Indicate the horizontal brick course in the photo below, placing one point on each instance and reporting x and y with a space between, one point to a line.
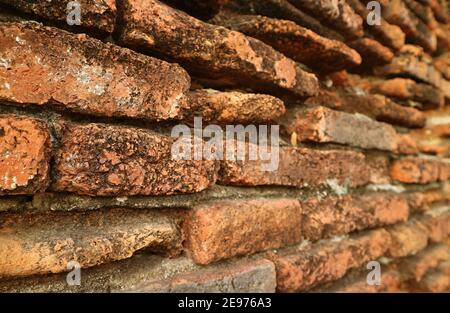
99 15
321 124
341 215
46 243
102 160
25 147
211 52
299 167
45 66
304 268
420 170
221 230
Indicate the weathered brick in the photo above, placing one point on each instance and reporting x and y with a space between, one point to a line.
321 124
407 239
416 266
199 8
220 230
253 276
403 88
416 31
95 14
337 14
387 34
356 281
341 215
299 167
437 223
25 155
411 66
101 160
233 107
423 200
150 273
442 63
45 243
294 41
45 66
420 170
372 52
283 10
300 269
375 106
437 280
211 52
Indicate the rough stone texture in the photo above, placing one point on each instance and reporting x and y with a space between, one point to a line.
410 66
221 230
294 41
356 281
102 160
25 152
387 34
334 216
375 106
437 223
321 124
299 167
95 14
45 243
300 269
437 280
45 66
372 52
442 63
424 200
233 107
203 9
211 52
416 266
407 239
403 88
142 272
420 170
254 276
416 31
336 14
283 10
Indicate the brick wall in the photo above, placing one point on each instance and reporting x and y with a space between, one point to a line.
88 174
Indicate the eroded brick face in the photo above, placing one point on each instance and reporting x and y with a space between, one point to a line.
45 66
25 147
225 229
102 160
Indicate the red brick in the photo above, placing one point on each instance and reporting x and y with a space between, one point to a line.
95 14
419 170
437 223
203 9
416 31
211 52
294 41
341 215
407 239
40 243
234 107
337 14
252 276
437 280
300 269
387 34
45 66
375 106
320 124
408 89
298 167
372 52
102 160
220 230
25 155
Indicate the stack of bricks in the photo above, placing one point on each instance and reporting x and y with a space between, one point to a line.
87 171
